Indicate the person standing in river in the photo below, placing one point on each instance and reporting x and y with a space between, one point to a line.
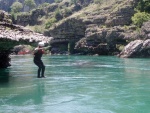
38 52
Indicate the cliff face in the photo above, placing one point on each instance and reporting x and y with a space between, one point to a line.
99 28
103 28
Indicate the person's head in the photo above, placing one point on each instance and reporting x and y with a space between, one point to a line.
41 44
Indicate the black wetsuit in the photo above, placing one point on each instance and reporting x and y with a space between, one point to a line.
37 60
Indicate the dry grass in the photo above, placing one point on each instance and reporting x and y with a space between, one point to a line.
37 28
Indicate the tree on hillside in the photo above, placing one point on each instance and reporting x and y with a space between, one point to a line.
140 17
16 7
143 13
144 6
30 3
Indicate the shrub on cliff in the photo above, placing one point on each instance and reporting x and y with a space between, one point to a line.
140 17
30 3
67 12
16 7
50 22
58 14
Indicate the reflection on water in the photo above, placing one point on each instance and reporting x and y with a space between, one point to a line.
76 84
4 76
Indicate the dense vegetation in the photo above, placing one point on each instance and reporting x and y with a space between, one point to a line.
143 13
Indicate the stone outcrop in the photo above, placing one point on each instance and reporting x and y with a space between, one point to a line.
145 31
5 17
30 18
12 35
70 29
141 47
18 33
136 49
104 41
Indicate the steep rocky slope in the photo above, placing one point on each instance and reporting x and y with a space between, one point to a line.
92 28
102 28
98 28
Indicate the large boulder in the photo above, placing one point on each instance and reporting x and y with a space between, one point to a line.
137 48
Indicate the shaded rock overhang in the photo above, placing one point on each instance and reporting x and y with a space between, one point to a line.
12 35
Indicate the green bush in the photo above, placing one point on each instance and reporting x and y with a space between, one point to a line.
16 7
140 17
30 3
50 22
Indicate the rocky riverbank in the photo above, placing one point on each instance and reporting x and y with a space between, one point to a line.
139 47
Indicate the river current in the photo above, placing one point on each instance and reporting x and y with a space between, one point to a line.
76 84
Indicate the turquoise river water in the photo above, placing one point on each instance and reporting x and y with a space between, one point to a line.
76 84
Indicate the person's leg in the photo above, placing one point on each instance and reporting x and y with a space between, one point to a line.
39 72
43 69
39 68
